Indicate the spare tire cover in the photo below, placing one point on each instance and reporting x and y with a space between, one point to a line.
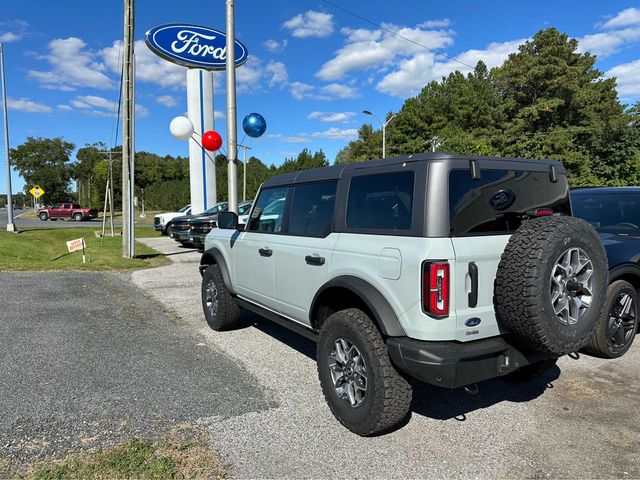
551 284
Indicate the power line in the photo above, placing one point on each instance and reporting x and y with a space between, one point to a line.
388 30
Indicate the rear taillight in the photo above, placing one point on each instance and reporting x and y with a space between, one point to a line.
540 212
435 288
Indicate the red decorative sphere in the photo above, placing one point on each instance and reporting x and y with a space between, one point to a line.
211 141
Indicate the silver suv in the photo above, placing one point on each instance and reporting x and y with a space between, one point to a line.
442 268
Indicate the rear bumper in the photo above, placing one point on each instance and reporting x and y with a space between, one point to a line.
457 364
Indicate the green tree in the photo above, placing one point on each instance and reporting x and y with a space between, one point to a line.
87 157
45 162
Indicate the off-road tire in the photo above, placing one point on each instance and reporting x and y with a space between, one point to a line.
531 371
77 217
522 293
599 343
228 312
388 396
44 216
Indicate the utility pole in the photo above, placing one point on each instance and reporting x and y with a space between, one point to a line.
110 155
127 129
244 168
11 226
232 121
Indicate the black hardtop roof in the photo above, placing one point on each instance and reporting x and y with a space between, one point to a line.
336 171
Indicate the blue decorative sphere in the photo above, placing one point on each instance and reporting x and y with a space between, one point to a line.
254 125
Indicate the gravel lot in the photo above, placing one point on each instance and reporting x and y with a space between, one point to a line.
87 360
582 420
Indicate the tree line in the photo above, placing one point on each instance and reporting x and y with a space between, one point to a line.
547 100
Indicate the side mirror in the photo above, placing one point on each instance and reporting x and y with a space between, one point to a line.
228 220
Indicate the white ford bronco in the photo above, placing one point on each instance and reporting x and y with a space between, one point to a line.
436 267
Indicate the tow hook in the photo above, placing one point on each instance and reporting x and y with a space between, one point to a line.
574 355
471 389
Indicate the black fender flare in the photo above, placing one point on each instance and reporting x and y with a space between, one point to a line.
624 269
384 316
214 255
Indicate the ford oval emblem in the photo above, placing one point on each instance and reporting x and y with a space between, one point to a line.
193 46
472 322
502 199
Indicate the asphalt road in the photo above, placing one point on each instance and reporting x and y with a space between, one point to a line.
30 223
581 421
86 360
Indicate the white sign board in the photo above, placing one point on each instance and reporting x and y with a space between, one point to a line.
75 245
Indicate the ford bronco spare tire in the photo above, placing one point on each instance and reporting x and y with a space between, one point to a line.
551 284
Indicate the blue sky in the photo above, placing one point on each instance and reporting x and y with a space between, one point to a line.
312 67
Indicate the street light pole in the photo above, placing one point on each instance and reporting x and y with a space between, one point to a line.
11 226
384 130
244 168
232 121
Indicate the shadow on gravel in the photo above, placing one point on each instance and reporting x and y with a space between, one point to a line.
428 400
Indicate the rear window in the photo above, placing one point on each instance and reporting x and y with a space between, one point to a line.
613 212
381 202
496 202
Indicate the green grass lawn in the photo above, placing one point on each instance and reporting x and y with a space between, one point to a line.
46 249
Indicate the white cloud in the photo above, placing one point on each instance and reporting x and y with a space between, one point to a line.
275 46
90 101
366 49
149 67
441 23
629 16
7 37
331 117
166 100
217 115
340 91
65 108
300 90
310 24
27 105
606 43
628 78
72 66
335 133
286 139
276 73
422 68
13 30
141 110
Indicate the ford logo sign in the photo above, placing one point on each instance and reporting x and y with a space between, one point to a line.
472 322
193 46
502 199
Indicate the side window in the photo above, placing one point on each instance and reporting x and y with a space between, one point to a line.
57 206
67 206
312 209
268 213
381 202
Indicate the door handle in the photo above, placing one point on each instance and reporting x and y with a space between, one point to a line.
314 260
473 294
265 252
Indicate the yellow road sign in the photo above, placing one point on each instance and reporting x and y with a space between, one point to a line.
36 191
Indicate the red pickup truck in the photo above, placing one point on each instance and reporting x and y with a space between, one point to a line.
67 210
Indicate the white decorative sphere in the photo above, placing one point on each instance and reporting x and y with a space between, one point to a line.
181 128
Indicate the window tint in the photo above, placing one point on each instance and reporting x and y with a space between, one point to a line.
268 214
381 202
312 209
57 206
215 209
242 209
616 212
184 209
497 201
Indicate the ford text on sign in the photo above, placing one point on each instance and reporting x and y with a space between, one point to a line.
193 46
75 245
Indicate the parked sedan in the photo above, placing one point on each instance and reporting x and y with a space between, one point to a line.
615 213
201 226
178 228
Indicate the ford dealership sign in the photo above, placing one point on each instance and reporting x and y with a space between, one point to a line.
193 46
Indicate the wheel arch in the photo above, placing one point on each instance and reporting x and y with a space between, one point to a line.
214 256
629 272
349 291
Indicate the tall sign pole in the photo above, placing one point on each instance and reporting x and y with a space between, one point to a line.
232 122
11 226
127 127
